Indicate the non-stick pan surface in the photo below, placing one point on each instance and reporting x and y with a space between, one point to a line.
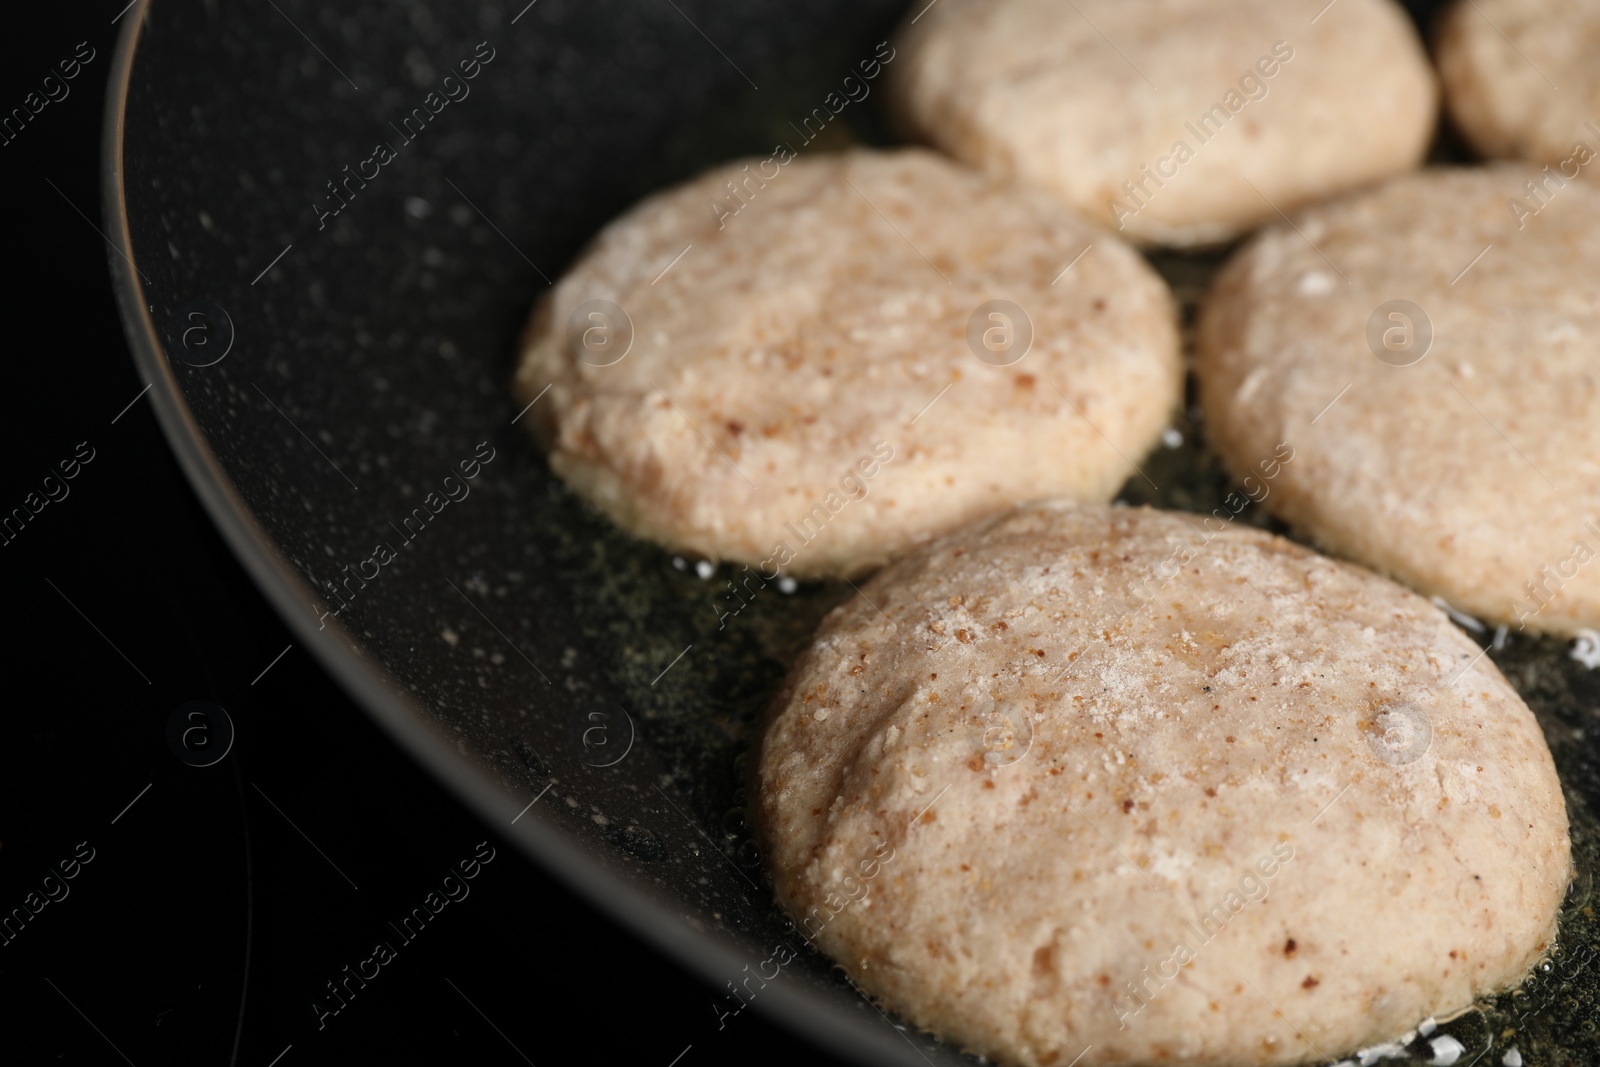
329 328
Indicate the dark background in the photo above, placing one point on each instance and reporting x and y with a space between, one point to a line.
218 904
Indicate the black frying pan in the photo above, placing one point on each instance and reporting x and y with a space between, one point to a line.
330 328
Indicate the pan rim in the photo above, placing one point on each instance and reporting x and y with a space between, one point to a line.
801 1008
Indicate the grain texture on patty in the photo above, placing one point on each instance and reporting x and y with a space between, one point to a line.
1184 792
1434 357
873 349
1183 122
1521 80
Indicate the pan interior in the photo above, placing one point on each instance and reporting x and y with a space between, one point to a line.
367 305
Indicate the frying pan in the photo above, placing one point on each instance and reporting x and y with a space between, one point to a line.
329 330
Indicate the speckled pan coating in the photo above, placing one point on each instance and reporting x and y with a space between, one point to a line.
1006 782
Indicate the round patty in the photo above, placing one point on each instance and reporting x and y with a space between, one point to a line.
1432 351
1501 62
1181 122
1112 777
809 364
